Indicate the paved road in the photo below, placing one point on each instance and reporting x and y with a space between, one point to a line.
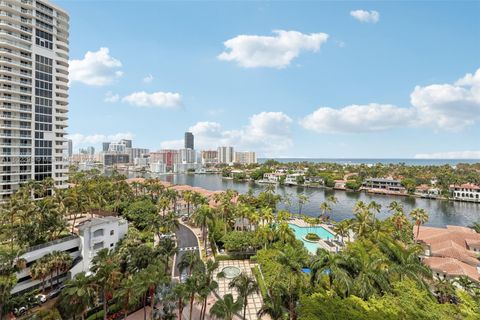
186 240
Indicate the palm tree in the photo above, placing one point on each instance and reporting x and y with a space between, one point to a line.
419 216
245 286
302 200
226 308
285 233
324 207
188 261
342 229
105 267
375 207
192 286
79 292
128 293
61 262
332 264
40 271
202 218
148 280
208 285
187 196
444 289
395 206
273 308
179 294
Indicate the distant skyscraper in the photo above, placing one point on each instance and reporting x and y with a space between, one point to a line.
189 144
127 143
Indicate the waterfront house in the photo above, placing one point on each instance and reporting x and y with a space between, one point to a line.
465 192
384 186
273 177
340 184
426 191
451 252
293 178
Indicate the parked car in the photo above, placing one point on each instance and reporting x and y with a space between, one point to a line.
54 293
40 298
20 311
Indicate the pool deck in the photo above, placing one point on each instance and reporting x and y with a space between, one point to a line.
321 243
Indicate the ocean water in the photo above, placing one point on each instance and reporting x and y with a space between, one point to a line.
409 162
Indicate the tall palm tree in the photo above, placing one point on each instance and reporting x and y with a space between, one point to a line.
302 200
192 285
80 292
273 308
285 233
179 294
226 308
188 261
61 262
245 286
419 216
324 207
395 206
342 229
374 207
187 196
148 280
107 275
332 264
202 218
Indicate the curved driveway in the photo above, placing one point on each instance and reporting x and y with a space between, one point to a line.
186 241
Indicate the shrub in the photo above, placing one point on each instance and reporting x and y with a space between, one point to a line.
312 237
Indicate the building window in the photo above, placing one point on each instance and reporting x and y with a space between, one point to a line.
98 246
111 245
98 233
112 232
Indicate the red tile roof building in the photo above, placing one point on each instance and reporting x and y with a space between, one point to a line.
451 251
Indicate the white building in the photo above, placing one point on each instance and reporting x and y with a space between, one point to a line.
291 179
273 177
97 234
188 156
33 93
158 167
185 167
245 157
465 192
225 154
94 235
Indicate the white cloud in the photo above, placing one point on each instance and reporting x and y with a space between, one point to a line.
81 140
155 99
442 107
148 79
95 69
450 155
366 16
253 51
267 133
111 98
357 118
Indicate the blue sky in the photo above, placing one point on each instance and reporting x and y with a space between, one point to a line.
285 79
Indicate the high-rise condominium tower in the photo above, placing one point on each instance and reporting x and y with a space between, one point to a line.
189 140
33 93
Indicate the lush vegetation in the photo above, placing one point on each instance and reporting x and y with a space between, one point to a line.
377 274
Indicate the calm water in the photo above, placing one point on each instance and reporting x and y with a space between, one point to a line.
441 212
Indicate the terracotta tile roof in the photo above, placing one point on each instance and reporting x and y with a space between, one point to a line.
451 249
466 186
143 180
452 267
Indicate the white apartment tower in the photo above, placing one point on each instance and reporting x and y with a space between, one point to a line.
33 93
225 154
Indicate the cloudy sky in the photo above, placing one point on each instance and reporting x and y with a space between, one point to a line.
285 79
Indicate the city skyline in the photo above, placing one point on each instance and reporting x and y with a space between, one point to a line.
316 80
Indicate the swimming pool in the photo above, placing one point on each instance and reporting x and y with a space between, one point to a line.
301 232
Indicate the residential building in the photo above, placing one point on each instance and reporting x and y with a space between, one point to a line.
426 191
94 234
384 185
450 252
135 153
126 142
340 185
245 157
33 93
189 141
105 146
465 192
186 167
167 156
209 156
117 147
158 167
273 177
225 155
111 159
97 234
292 179
188 156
